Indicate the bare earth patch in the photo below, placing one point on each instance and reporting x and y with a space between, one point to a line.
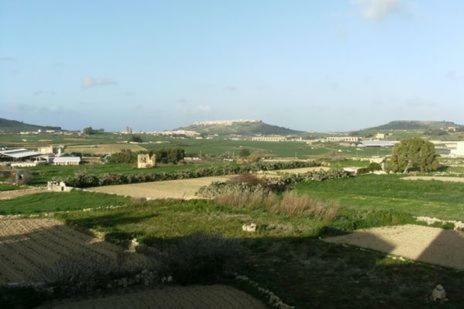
420 243
30 247
104 148
214 296
11 194
438 178
177 189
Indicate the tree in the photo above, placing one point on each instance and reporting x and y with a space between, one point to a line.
88 131
244 153
414 155
136 138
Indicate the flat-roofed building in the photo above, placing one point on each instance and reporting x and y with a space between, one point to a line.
67 161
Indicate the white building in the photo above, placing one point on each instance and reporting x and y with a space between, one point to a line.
340 139
459 151
67 161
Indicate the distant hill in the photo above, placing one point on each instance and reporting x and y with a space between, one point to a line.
239 127
13 126
412 125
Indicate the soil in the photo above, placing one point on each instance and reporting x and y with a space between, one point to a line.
421 243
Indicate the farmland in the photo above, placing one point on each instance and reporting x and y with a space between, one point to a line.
418 197
31 248
44 173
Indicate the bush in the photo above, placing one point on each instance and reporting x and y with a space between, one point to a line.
202 258
124 156
372 167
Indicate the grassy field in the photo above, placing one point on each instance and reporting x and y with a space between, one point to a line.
53 201
103 148
284 255
420 198
7 187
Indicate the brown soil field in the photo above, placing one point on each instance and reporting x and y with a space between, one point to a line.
30 248
421 243
104 148
177 189
11 194
438 178
213 296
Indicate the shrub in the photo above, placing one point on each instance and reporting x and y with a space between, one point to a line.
202 258
372 167
124 156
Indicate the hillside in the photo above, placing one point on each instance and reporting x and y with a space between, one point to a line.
239 127
412 125
12 126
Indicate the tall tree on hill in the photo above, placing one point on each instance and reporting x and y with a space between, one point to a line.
414 155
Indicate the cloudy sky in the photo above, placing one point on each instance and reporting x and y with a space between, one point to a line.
310 65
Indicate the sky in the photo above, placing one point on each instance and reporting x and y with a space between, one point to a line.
155 65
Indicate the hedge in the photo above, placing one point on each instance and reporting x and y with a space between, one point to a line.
84 180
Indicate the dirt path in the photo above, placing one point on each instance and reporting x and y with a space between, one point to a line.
178 189
214 296
11 194
421 243
438 178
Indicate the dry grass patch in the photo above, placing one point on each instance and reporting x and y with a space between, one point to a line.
290 203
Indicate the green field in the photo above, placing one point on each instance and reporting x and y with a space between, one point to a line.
284 255
44 173
54 201
7 187
389 192
204 147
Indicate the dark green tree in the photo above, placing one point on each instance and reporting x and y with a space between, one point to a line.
414 155
244 153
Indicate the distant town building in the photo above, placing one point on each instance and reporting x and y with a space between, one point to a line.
380 136
339 139
224 122
375 143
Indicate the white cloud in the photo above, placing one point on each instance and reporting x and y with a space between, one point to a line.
89 82
377 9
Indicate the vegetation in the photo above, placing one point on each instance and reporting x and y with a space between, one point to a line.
84 180
283 244
414 155
125 156
8 187
54 201
171 155
389 192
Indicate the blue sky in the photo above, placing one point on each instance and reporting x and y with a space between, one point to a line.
309 65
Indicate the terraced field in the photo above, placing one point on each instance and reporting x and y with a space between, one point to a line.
30 248
214 296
